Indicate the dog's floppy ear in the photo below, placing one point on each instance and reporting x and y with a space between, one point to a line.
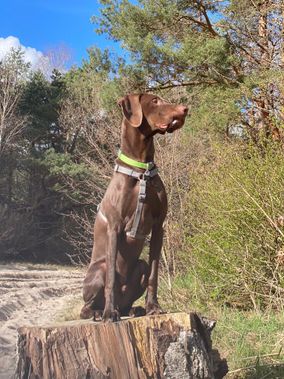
132 109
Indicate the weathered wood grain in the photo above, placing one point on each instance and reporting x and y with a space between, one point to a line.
172 346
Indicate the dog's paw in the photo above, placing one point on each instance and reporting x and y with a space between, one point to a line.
86 312
153 309
98 315
111 316
137 311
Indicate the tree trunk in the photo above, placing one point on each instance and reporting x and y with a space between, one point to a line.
168 346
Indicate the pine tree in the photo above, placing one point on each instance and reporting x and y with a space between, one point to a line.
227 54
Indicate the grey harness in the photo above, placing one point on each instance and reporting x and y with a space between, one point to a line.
143 178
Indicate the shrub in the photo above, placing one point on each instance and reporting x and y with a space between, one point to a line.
234 230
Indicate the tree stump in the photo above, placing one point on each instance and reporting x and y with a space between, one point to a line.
171 346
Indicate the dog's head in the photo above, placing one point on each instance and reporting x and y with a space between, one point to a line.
152 112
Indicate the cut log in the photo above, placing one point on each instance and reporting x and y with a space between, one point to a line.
171 346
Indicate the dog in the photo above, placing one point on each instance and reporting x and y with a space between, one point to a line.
134 205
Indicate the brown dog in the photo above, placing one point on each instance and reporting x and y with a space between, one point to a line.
134 205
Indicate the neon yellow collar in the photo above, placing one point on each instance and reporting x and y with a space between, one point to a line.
131 162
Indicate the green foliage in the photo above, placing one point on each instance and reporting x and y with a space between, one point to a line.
63 164
99 62
40 102
251 342
69 176
14 63
235 234
165 38
222 47
219 101
95 84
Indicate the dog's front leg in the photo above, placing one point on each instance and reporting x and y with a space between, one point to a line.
110 313
152 305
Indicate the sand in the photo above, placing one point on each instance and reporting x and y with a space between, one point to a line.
30 295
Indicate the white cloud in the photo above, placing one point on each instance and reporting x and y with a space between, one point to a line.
34 57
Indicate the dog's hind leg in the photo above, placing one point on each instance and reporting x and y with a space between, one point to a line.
133 289
93 290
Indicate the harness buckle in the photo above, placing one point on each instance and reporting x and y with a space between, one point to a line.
150 166
147 174
142 198
142 189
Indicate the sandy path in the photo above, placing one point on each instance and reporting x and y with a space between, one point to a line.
30 296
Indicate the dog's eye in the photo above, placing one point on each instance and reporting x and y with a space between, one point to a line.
155 100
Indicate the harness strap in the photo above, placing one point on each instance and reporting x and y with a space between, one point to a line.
135 174
138 211
142 177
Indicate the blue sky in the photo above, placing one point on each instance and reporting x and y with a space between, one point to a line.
43 24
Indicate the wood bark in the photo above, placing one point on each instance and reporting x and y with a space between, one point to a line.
168 346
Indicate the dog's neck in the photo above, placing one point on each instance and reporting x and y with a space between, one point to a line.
137 143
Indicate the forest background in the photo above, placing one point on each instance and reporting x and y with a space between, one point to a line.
224 171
